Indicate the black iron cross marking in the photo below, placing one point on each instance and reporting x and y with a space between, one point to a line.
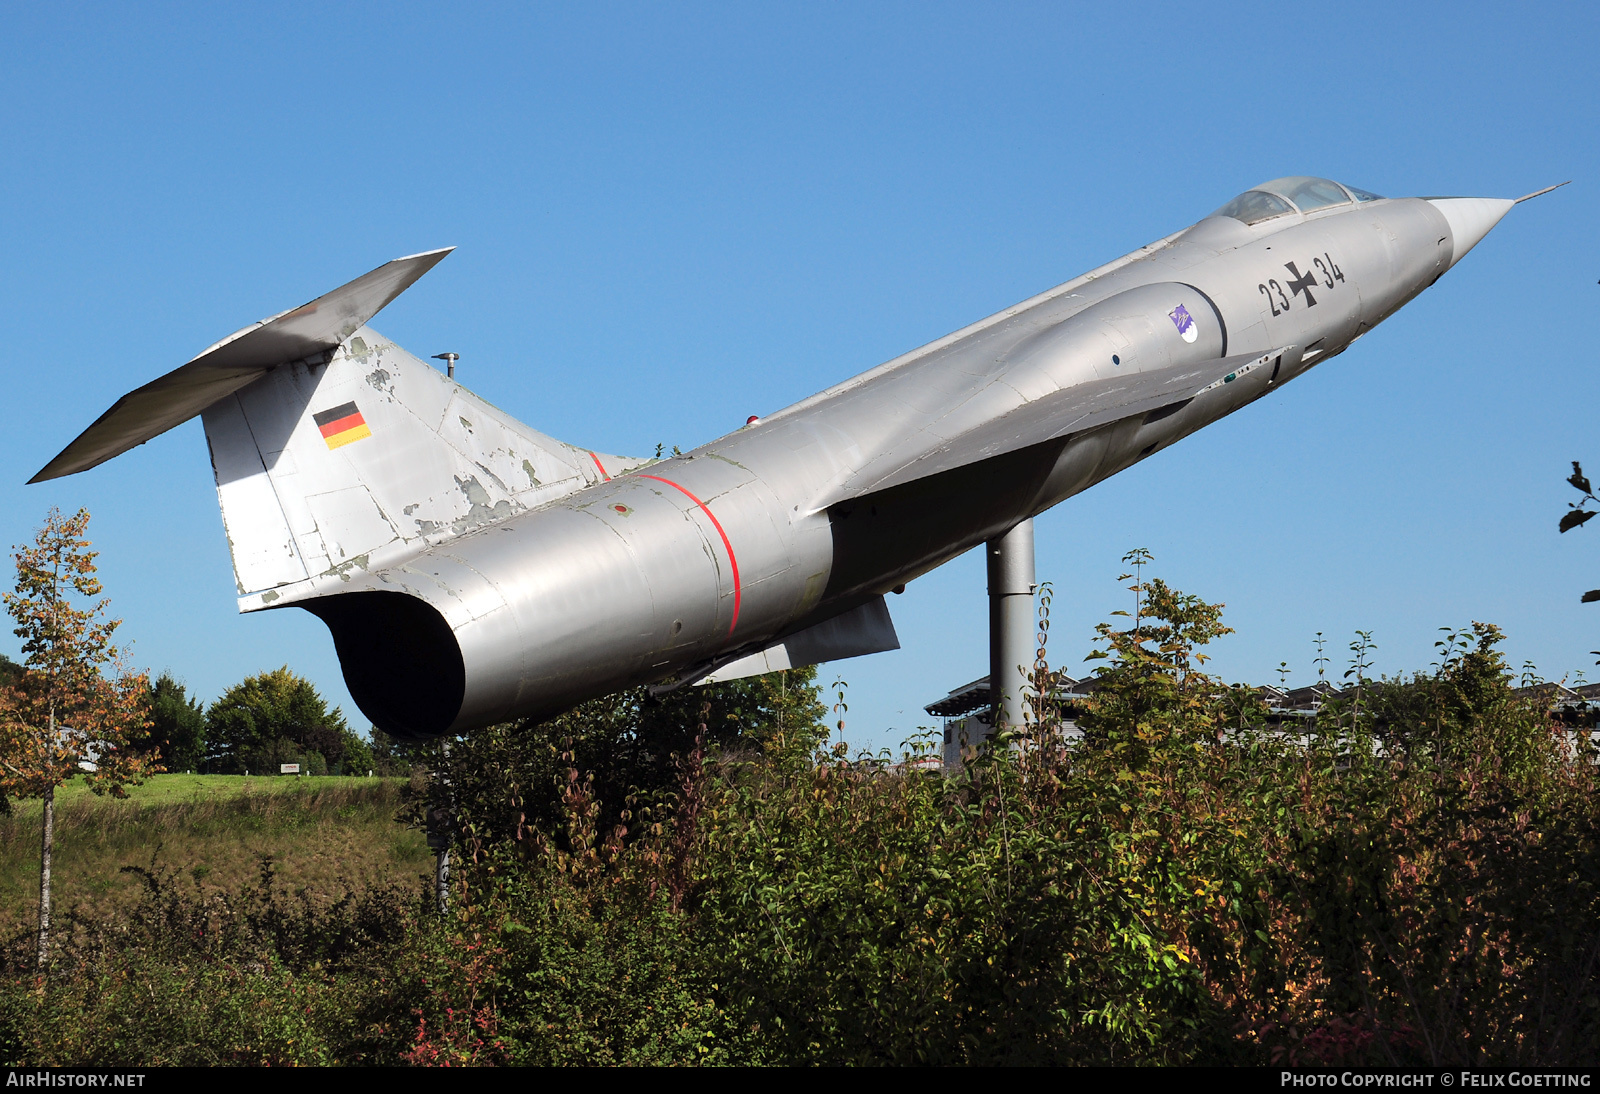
1302 283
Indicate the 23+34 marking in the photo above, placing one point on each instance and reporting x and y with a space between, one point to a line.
1300 284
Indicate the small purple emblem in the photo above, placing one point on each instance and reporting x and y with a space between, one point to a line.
1184 322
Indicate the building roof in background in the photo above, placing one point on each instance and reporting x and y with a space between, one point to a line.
975 696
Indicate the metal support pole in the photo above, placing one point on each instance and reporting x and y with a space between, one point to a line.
441 879
1011 623
441 828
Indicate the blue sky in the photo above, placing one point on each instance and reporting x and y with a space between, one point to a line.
672 217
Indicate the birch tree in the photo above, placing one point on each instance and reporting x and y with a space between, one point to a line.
75 707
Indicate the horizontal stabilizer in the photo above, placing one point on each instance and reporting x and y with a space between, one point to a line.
863 630
307 332
1070 410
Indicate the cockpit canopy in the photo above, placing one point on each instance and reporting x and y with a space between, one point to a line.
1294 193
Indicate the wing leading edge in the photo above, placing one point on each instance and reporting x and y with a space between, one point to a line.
1071 410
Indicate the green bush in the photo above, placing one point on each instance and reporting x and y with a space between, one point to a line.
276 718
1415 879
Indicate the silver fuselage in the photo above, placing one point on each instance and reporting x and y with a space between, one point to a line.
690 560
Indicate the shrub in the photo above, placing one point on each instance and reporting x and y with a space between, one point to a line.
1412 880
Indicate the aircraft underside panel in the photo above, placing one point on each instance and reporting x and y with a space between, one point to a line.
856 633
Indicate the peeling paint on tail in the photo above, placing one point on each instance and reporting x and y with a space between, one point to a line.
484 510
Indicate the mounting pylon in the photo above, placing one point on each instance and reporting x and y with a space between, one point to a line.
1012 630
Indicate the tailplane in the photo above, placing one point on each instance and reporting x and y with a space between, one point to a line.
309 333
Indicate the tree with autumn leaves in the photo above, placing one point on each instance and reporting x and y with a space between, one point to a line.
75 708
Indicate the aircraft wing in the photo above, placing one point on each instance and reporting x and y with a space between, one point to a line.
1070 410
236 361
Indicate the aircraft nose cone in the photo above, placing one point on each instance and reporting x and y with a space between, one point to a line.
1470 220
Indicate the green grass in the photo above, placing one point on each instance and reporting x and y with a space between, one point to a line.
165 789
213 828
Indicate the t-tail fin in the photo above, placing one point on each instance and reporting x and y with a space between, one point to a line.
308 333
366 461
334 449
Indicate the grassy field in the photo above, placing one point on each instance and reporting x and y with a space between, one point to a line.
212 828
167 789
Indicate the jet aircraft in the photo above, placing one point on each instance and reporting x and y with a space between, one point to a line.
474 570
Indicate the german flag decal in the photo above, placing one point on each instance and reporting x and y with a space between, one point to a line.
342 425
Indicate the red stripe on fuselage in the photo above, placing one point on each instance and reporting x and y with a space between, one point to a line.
732 562
607 477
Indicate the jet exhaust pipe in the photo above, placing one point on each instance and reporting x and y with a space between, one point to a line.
400 658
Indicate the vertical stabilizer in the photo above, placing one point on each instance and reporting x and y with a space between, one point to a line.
367 460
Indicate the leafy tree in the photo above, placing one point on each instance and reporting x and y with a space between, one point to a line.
63 715
273 718
1153 672
1576 515
177 726
390 755
1406 713
10 673
358 758
737 713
